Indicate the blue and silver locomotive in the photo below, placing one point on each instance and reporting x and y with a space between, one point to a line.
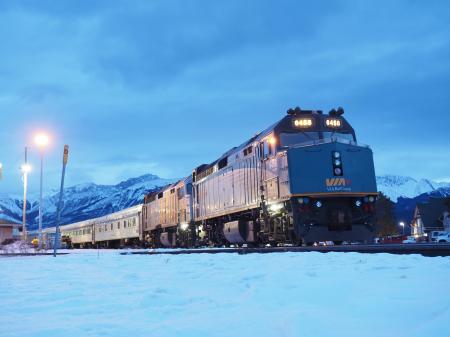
304 179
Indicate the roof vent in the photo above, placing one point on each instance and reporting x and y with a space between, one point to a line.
336 113
295 111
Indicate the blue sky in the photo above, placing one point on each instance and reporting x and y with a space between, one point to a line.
159 87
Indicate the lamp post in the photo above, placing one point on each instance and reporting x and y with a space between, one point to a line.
402 224
25 170
41 141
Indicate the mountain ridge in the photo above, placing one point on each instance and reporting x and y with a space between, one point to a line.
83 201
90 200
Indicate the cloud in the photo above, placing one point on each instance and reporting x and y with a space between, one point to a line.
167 85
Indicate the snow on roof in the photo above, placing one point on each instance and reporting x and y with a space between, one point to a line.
8 223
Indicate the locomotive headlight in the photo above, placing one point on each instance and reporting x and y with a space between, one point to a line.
358 203
184 226
275 207
371 199
303 122
318 203
333 123
337 162
337 171
336 154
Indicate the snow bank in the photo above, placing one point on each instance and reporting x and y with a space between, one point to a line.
17 247
281 294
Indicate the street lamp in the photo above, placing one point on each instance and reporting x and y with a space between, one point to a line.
41 140
25 168
402 224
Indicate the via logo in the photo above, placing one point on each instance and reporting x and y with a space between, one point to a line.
332 182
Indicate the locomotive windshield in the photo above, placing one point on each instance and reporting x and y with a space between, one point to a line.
289 139
339 135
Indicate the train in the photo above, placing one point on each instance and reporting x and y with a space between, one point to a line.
304 179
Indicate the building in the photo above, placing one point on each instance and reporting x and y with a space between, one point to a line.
432 215
8 230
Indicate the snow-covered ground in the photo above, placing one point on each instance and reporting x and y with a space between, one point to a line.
282 294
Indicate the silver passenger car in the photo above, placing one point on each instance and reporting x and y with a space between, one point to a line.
112 230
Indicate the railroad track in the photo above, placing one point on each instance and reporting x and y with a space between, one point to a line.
29 254
425 249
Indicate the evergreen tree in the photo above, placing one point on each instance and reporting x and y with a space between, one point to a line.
386 220
447 203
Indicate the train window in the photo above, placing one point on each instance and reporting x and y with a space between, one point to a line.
222 163
111 226
248 151
266 149
118 225
288 139
160 195
172 191
339 135
189 188
180 192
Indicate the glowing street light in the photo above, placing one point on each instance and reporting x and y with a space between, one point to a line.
402 224
41 140
25 168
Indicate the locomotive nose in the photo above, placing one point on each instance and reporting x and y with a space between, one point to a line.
331 168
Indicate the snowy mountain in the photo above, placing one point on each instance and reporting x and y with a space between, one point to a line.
83 201
89 200
400 186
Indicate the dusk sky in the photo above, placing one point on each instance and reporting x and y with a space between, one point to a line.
160 87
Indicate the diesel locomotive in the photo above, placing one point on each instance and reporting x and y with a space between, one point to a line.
304 179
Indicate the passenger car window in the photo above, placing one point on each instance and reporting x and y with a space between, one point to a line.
266 149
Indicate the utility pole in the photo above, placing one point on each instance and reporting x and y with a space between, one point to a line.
40 201
41 141
25 170
61 193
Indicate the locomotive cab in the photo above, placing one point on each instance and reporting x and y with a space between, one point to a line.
311 127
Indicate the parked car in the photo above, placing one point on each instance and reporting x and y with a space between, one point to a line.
393 239
410 239
435 234
443 238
